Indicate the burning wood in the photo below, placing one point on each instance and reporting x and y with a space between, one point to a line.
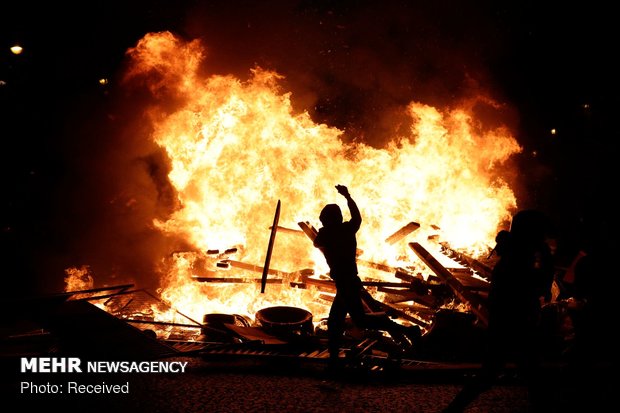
409 295
272 238
369 301
257 268
329 284
288 230
219 254
481 268
212 132
414 299
377 266
468 280
473 300
236 280
416 290
402 233
378 307
308 229
322 284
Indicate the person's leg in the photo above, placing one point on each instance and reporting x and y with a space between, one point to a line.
529 363
335 326
478 384
404 335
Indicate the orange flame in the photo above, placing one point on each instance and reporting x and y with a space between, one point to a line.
78 279
237 147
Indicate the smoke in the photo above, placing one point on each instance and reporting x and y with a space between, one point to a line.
115 186
355 64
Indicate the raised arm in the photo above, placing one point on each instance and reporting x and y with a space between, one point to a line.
356 217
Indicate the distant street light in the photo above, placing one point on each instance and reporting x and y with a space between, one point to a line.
17 49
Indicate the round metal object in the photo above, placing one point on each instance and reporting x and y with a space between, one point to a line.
214 326
285 320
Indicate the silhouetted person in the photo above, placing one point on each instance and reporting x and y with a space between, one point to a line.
594 304
337 240
594 292
593 356
520 283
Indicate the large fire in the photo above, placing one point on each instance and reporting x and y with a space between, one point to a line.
236 148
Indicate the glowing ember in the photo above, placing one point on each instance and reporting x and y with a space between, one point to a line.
237 147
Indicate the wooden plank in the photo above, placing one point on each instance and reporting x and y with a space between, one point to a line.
377 266
481 268
236 280
468 281
402 233
323 284
386 284
362 348
308 229
391 309
272 238
408 295
473 283
288 230
255 334
329 284
415 308
467 297
256 268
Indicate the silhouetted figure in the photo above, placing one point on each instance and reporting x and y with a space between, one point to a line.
593 356
592 293
337 240
520 284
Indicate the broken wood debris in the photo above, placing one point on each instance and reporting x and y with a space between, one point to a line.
402 233
412 297
308 229
236 280
377 266
377 306
272 239
256 268
474 301
409 295
288 230
484 270
330 285
222 254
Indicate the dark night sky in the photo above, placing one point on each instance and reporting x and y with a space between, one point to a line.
349 63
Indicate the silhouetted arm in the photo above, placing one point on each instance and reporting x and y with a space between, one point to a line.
356 217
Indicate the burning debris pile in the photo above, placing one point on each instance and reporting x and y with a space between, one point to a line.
237 148
234 147
446 303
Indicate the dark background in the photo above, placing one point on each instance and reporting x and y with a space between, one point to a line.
351 64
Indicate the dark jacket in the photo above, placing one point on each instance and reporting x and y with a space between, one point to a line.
339 245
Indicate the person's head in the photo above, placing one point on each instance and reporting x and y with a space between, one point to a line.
530 226
502 240
331 215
